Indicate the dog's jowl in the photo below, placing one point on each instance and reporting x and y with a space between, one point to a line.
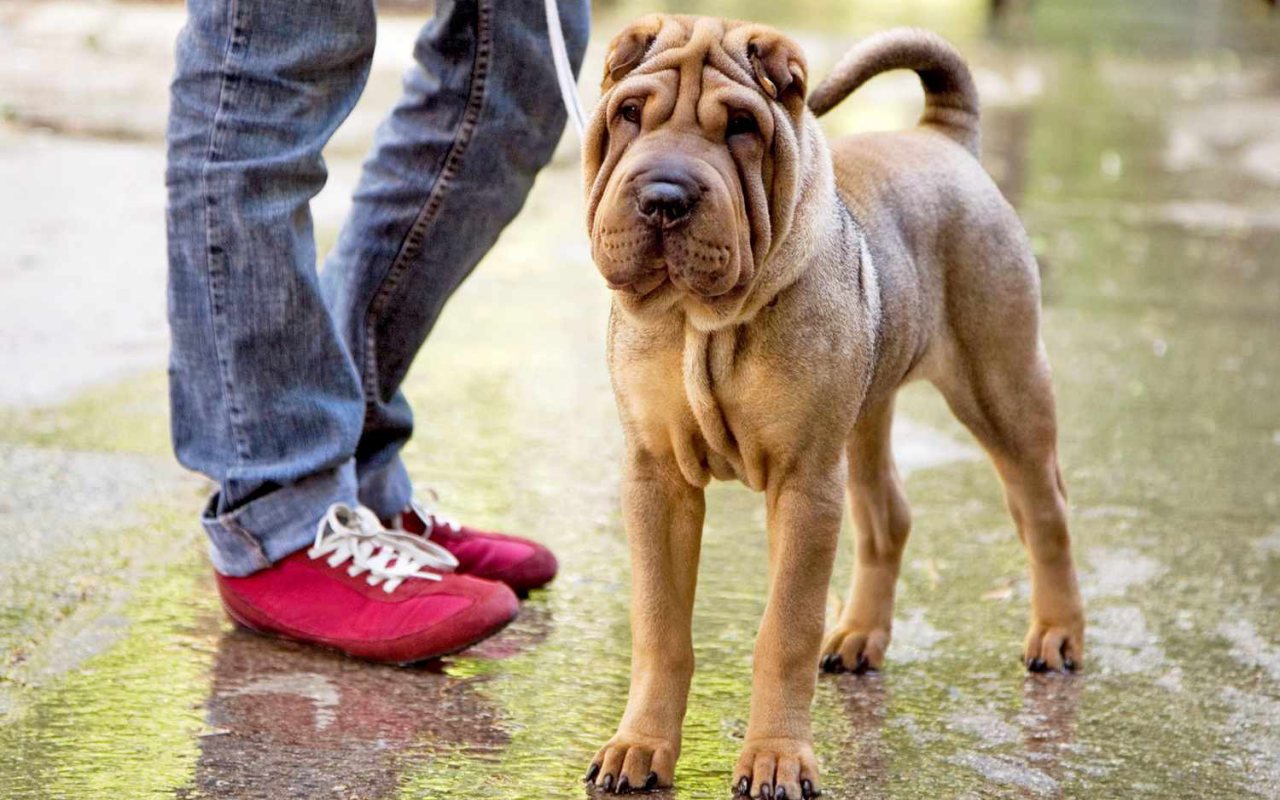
771 292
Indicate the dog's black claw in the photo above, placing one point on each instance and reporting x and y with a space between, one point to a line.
833 663
1036 665
806 789
862 666
781 793
608 782
744 787
651 782
1069 665
624 785
766 791
592 772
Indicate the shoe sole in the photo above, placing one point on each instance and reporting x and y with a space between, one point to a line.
269 634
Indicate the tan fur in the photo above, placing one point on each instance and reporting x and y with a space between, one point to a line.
763 337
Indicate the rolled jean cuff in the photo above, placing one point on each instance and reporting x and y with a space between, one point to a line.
386 489
265 530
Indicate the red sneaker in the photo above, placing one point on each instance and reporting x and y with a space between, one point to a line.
519 563
371 593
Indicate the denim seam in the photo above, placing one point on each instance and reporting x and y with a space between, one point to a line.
215 253
412 245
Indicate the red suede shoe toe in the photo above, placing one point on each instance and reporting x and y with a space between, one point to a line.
307 600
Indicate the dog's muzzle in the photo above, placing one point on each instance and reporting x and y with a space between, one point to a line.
669 222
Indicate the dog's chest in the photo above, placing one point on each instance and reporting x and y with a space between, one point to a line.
716 384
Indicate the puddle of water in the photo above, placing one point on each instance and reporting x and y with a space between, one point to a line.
1162 329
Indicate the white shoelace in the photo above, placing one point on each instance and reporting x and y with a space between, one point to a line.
431 515
390 557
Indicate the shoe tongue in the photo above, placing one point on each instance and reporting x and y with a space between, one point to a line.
420 520
410 522
443 527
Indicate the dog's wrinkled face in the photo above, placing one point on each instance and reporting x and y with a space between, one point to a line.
691 161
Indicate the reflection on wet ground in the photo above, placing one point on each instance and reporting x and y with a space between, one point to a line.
1140 143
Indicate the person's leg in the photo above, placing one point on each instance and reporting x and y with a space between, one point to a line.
265 399
480 116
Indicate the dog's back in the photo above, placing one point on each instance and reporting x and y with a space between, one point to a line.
934 219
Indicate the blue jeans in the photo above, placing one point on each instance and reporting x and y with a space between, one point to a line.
285 384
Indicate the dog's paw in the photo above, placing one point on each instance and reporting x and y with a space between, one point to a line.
1054 647
856 651
776 769
633 763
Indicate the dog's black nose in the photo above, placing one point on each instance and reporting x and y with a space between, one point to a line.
665 203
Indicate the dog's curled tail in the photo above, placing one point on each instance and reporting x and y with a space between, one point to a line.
951 100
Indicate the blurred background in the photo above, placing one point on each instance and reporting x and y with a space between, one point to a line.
1140 142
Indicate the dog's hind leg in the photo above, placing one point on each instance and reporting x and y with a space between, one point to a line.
1001 390
883 520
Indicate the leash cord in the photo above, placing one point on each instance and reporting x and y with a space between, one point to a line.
564 72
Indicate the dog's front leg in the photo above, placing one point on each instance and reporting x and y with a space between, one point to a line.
804 523
663 515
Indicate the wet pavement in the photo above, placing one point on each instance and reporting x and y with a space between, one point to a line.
1141 144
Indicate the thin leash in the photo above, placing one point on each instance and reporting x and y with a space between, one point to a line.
564 72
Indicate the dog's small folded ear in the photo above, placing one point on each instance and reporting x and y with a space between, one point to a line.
779 68
628 49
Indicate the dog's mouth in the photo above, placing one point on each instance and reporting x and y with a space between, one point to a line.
636 267
646 284
686 262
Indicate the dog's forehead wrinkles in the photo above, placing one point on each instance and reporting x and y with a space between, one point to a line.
689 77
688 45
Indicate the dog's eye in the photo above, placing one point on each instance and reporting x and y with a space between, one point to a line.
740 123
630 112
